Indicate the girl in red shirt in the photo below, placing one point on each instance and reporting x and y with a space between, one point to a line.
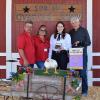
41 47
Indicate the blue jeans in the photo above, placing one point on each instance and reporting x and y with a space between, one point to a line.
40 64
83 74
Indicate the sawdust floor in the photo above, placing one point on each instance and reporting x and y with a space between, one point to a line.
94 94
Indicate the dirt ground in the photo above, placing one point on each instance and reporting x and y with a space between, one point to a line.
94 94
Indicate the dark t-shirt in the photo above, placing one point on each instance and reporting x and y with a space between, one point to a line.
81 35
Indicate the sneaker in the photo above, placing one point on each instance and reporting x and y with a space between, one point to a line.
84 94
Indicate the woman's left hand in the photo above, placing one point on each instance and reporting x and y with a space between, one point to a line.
62 48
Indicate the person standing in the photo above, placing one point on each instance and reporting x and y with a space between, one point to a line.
60 42
25 45
41 46
81 38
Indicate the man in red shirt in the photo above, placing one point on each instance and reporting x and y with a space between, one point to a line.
25 45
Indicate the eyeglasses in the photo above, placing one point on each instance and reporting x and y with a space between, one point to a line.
42 30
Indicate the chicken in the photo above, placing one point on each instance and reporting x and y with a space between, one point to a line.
51 64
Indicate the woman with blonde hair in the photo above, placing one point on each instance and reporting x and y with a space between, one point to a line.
41 46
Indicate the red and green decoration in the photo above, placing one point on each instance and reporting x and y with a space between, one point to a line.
27 70
20 74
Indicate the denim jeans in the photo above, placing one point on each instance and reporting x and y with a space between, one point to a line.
83 74
40 64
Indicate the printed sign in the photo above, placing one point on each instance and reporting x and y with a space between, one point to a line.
47 12
76 58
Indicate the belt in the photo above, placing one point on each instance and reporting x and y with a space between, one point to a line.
61 51
56 51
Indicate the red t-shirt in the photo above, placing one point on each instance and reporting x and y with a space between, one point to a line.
26 43
41 48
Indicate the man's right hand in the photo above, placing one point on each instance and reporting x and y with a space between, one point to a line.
76 43
21 51
26 63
